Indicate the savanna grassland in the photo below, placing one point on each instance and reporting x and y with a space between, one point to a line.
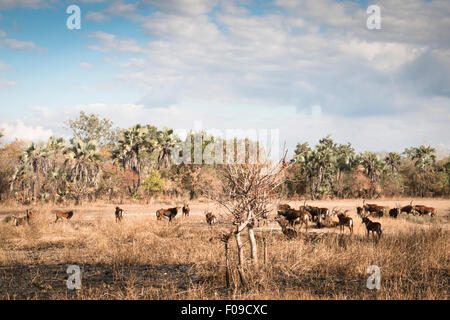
142 258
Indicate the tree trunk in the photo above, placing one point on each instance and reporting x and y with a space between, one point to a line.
265 250
253 246
241 258
227 266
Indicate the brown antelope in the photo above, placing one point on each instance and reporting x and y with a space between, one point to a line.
418 209
382 211
316 212
407 209
210 219
369 207
424 210
186 210
30 216
374 227
359 211
394 212
119 214
66 215
288 231
167 213
284 207
19 221
375 210
344 220
296 217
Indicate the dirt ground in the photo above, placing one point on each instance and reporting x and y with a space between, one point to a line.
142 258
96 211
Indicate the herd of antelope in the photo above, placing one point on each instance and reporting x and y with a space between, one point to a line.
287 216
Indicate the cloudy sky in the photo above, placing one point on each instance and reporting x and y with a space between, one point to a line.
306 67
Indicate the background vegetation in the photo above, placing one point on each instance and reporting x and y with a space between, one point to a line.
101 161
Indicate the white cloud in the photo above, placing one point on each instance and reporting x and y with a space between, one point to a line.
86 65
121 8
329 12
130 63
18 45
33 4
382 56
92 1
4 66
96 16
5 84
307 66
18 129
181 28
183 7
109 42
269 59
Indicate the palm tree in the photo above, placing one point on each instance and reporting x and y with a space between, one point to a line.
345 160
35 158
23 177
55 147
393 161
166 143
318 165
82 163
56 144
132 146
300 150
373 168
424 159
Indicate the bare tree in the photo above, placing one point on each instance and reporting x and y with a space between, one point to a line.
246 191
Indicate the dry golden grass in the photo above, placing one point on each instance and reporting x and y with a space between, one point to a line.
142 258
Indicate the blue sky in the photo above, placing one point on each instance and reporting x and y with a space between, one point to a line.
306 67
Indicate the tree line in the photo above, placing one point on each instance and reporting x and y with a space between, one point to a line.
101 161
